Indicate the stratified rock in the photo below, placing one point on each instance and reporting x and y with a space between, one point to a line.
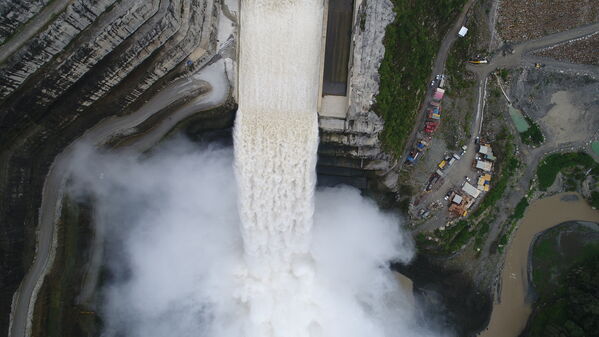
95 59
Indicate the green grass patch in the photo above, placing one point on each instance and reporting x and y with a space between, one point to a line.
504 74
554 163
533 135
411 44
462 50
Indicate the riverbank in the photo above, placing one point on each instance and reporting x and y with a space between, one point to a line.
512 306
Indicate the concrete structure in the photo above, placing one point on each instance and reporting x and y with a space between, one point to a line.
335 65
457 199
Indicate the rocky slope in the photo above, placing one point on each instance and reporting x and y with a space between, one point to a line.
93 59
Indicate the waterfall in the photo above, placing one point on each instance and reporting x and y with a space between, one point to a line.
276 138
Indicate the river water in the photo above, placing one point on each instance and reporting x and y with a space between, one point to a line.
511 312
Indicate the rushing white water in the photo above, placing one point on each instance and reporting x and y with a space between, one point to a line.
276 138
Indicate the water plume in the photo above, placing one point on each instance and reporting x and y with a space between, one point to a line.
201 243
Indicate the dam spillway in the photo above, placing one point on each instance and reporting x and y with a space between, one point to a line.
276 139
338 47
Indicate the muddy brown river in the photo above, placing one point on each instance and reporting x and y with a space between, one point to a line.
511 310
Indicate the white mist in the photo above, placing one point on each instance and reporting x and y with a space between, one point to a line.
192 251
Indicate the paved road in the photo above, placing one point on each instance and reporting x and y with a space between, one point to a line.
31 28
53 189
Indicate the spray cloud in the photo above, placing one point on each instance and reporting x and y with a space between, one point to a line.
176 258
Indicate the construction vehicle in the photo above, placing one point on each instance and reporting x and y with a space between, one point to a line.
478 61
539 65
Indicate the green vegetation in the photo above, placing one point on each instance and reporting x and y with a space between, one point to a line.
56 313
468 123
595 199
463 49
495 92
554 163
558 249
454 237
566 283
449 129
481 233
504 74
512 221
520 208
411 43
533 135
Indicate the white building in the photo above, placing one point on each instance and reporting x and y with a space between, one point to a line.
471 190
484 149
463 31
484 165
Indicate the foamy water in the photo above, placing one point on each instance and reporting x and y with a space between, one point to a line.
276 138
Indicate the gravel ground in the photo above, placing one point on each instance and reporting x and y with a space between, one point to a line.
583 51
521 20
535 88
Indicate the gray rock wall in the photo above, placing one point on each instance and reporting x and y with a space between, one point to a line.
95 59
14 13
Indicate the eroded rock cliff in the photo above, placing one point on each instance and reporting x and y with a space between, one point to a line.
60 74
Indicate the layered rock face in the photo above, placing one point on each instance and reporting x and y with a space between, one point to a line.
63 69
355 151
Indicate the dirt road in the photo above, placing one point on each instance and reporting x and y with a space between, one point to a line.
438 68
520 51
